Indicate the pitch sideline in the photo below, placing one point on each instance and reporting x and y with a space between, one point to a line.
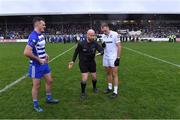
155 58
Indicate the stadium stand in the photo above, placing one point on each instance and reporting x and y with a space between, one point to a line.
68 28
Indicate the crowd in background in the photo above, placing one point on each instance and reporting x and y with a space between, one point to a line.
70 32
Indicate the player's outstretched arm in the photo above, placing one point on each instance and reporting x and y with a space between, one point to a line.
99 49
76 52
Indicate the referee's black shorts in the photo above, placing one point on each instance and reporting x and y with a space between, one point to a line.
89 66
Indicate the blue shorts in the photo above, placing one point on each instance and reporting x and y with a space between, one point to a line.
38 71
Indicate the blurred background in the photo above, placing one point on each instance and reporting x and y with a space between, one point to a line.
68 20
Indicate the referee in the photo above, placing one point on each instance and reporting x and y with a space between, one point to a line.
87 50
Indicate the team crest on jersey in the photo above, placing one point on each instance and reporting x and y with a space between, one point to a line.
93 50
84 50
41 37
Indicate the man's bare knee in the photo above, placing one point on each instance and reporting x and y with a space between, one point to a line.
48 78
94 76
36 86
109 72
115 72
49 81
84 76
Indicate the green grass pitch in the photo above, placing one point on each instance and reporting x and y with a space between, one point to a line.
148 88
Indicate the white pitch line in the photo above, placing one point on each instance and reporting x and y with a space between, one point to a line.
25 76
144 54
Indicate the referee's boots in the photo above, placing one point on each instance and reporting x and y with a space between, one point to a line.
83 92
83 96
95 90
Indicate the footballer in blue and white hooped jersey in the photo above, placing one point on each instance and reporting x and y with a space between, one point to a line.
38 66
37 42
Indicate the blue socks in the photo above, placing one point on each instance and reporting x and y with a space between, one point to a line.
48 96
35 101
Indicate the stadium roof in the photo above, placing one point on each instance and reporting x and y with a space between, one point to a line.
46 7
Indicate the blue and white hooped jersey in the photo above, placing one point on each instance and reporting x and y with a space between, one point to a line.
37 42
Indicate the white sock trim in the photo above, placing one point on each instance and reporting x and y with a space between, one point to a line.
48 93
110 86
35 100
116 89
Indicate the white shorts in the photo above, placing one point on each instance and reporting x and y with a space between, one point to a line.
108 62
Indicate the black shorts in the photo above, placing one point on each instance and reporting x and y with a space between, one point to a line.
87 67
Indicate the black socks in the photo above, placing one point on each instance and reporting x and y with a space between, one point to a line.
94 83
83 86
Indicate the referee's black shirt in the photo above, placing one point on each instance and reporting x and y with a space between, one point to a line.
87 51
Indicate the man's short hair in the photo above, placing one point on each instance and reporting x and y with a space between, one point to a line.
37 19
104 24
